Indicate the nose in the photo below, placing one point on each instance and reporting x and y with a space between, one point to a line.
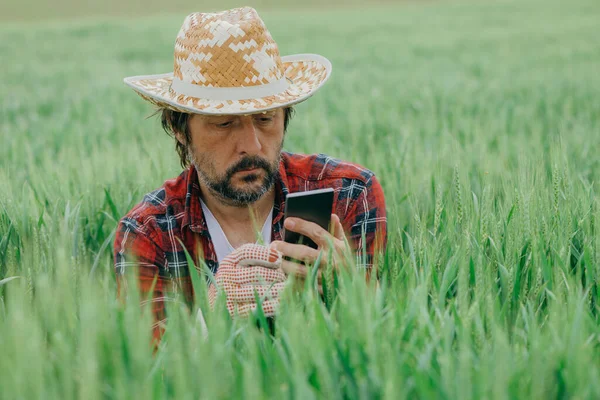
248 140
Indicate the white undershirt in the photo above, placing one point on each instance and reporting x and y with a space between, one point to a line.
222 246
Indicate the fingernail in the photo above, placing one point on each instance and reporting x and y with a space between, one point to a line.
289 223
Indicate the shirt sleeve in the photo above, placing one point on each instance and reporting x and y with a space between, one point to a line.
366 222
133 249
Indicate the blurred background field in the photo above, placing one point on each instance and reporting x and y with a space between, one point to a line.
36 10
482 122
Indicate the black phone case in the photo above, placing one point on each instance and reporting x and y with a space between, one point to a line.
314 206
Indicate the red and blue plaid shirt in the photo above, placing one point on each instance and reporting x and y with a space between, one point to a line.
148 237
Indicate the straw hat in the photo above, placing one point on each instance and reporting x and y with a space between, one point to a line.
228 63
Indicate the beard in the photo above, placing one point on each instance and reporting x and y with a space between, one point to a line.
222 185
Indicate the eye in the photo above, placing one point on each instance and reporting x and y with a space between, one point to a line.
265 119
224 124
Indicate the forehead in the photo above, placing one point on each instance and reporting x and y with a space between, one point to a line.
232 116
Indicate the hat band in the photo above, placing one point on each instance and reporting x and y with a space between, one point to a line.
229 93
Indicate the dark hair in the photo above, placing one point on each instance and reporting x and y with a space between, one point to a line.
174 122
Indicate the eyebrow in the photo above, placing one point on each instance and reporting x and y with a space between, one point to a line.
215 119
211 119
268 113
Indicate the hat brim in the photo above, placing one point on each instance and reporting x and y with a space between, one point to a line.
306 73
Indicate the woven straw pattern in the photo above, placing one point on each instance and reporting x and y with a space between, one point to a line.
248 269
231 50
305 78
227 49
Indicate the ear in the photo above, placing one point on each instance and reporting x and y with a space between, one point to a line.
180 138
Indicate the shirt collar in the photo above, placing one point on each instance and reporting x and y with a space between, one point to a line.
194 217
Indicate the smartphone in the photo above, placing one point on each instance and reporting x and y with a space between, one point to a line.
314 206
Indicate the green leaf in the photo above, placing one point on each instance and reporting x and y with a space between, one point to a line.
4 243
450 273
519 273
6 280
111 204
197 283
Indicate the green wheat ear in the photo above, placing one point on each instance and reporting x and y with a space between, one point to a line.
458 196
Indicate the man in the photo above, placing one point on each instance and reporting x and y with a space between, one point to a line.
228 104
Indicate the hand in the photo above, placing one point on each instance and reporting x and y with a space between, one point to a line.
248 269
329 246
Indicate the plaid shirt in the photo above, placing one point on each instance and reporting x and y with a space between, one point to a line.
147 238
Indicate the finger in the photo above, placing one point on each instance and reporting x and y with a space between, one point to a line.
269 308
319 235
246 293
257 275
338 229
296 251
252 254
294 269
298 270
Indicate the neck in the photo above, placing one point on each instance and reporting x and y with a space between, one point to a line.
230 214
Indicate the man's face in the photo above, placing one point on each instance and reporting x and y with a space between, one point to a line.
237 156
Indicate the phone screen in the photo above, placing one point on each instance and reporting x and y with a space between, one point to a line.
314 206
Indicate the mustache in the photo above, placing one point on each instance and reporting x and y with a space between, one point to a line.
249 163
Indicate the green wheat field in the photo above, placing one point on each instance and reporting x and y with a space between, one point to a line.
482 122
